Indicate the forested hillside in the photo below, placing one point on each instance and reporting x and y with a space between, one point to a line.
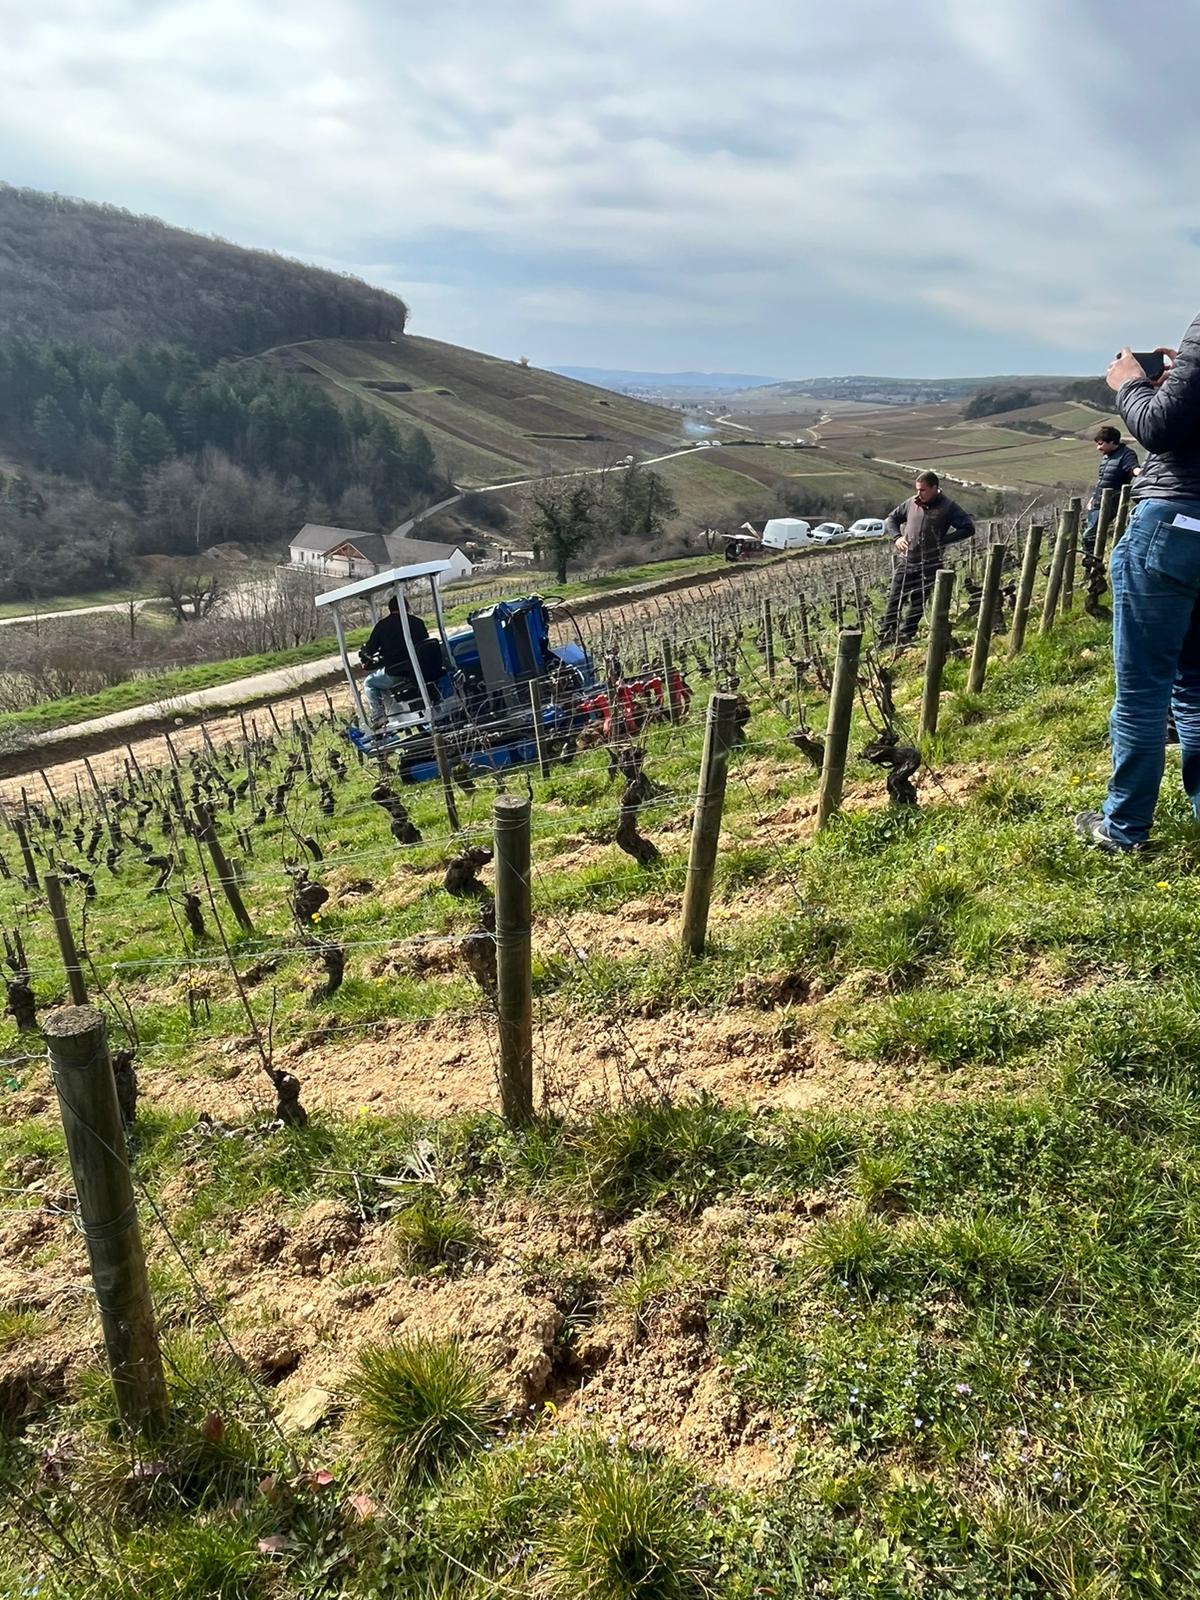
151 452
70 270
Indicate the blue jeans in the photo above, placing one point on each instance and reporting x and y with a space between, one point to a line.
1156 651
376 683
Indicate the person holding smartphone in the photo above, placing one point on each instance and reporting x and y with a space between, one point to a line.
1155 577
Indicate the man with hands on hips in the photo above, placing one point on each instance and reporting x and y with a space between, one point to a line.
1155 579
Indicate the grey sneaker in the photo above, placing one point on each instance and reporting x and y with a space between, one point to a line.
1091 827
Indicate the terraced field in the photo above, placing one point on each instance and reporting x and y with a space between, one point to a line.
494 419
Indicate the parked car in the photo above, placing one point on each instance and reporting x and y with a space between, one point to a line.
787 533
827 532
867 528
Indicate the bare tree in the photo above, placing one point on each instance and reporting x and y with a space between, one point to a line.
191 590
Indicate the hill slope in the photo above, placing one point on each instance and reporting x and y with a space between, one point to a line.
101 276
488 419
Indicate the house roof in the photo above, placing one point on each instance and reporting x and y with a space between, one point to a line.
405 552
316 536
384 549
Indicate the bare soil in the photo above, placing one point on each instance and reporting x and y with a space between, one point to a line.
541 1308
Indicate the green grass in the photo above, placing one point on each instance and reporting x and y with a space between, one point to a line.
419 1408
161 686
630 1534
949 1299
56 604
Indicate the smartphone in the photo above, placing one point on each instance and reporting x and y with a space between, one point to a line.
1152 362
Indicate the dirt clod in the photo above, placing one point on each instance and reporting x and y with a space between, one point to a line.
325 1233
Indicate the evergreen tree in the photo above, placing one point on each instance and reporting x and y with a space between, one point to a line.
110 405
564 522
154 444
57 440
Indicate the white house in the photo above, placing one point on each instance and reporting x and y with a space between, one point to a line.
346 554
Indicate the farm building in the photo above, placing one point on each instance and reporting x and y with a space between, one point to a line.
347 553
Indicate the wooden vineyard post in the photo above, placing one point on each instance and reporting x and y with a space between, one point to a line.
768 630
1122 514
1029 564
31 873
1068 587
248 759
839 606
539 726
1104 524
49 788
66 939
103 805
805 634
719 733
987 618
91 1117
514 958
837 730
860 598
668 667
939 647
447 782
225 874
1057 565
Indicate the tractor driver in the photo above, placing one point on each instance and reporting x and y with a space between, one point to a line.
387 652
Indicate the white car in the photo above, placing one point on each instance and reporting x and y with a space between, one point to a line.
867 528
827 532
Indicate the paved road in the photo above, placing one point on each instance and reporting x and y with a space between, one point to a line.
576 472
36 618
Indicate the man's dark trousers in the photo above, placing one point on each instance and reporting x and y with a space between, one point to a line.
912 584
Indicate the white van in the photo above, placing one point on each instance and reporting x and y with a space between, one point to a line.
786 533
867 528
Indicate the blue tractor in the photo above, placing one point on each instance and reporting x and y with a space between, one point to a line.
475 687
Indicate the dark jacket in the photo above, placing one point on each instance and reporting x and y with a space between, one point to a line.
1115 472
1166 421
387 642
929 528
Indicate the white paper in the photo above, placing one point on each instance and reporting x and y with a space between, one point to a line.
1192 524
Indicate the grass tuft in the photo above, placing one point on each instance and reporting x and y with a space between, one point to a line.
630 1533
855 1248
433 1232
420 1407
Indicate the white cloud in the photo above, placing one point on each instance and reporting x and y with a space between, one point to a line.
640 163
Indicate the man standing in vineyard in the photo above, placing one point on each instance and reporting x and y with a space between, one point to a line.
1155 577
1117 467
921 528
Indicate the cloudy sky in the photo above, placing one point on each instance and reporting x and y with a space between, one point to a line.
791 187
